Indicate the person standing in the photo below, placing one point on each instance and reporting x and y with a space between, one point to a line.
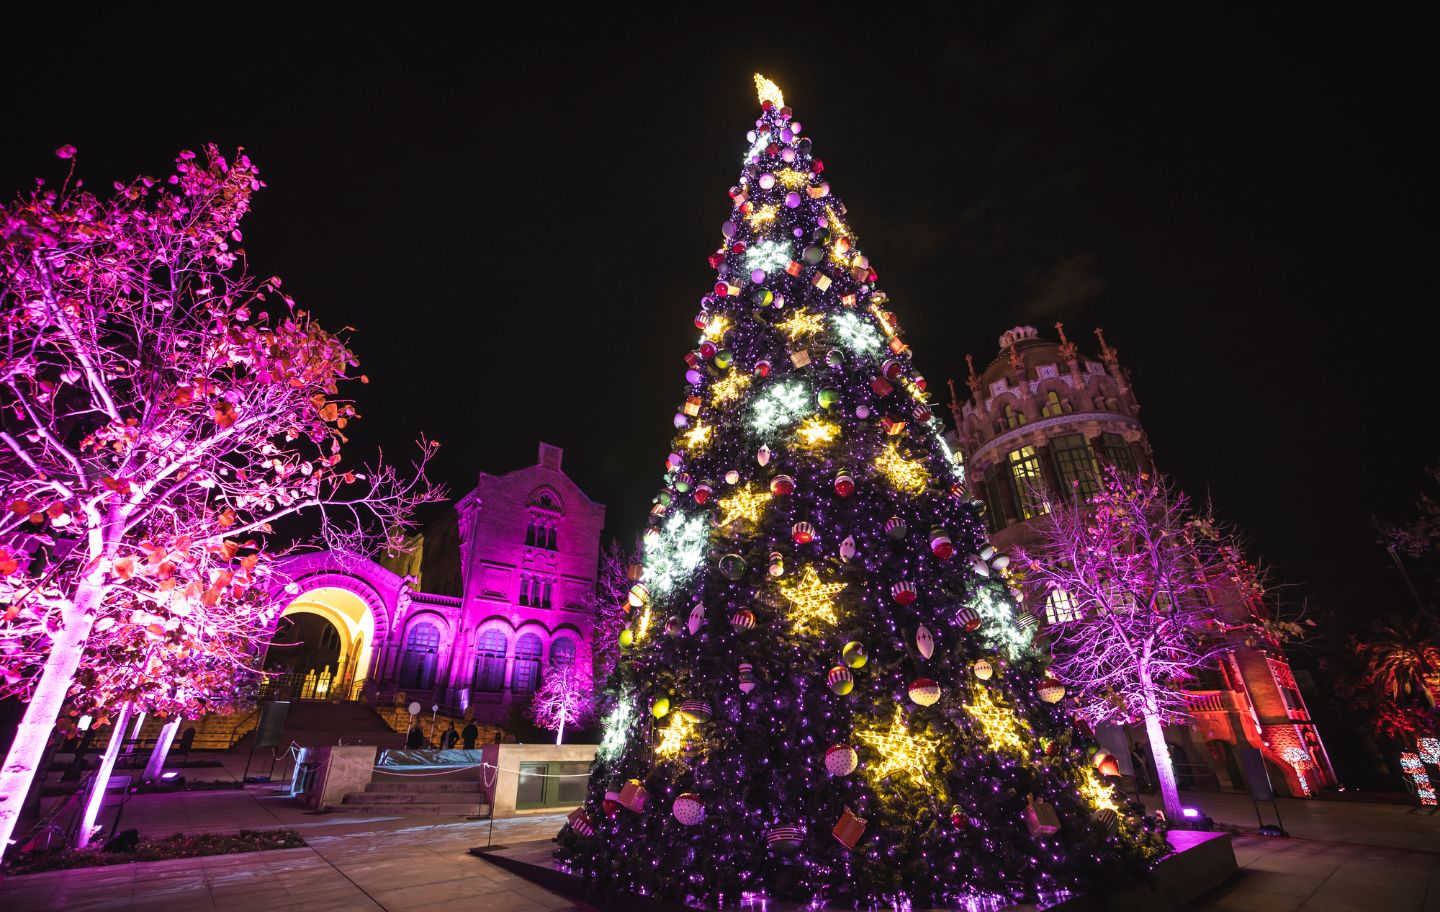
416 738
469 735
449 737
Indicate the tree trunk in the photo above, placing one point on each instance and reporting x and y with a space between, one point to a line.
101 778
34 730
156 764
1165 772
561 733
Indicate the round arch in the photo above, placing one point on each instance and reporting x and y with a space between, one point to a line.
352 616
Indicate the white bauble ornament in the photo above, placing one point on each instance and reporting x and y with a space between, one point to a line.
688 809
697 618
847 548
924 641
841 760
983 670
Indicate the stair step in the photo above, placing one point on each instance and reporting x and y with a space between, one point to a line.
400 800
429 809
409 787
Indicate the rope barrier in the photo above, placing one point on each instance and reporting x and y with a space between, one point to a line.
488 766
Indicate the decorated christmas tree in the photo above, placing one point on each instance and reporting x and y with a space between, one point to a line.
826 691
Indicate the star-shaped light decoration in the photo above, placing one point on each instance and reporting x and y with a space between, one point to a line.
997 721
698 437
801 323
729 387
768 91
899 751
747 503
791 179
907 476
1100 795
765 214
674 736
811 601
816 431
716 328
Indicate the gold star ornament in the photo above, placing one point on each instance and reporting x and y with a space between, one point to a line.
747 503
811 601
899 751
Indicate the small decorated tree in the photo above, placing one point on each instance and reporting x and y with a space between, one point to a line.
162 411
566 697
1131 566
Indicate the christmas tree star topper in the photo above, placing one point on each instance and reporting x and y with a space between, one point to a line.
768 91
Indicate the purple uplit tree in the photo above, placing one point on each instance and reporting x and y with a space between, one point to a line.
824 692
565 697
1132 567
162 410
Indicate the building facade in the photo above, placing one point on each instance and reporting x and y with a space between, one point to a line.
1043 416
468 617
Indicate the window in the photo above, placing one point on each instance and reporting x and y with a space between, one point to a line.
1025 470
530 533
545 595
422 647
1013 417
1075 463
527 664
1060 607
562 652
490 662
1117 452
550 539
1054 406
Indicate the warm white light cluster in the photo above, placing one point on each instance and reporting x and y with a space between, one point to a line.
997 627
674 555
771 256
616 728
782 404
857 332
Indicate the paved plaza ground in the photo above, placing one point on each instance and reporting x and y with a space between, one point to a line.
1341 856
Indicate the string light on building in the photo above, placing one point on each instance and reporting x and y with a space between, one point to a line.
906 475
801 323
1413 767
816 431
811 601
997 722
1299 760
745 504
899 751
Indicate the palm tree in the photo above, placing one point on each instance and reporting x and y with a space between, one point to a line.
1401 660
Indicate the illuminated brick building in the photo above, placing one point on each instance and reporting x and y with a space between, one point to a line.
1043 414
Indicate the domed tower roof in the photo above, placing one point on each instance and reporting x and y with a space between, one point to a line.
1021 347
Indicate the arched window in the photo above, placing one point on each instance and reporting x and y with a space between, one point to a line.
490 662
422 650
1054 406
527 664
545 595
1013 417
1060 607
550 538
530 533
562 652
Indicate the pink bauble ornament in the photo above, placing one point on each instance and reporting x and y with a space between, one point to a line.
841 760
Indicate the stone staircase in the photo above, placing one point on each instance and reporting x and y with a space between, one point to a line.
319 723
419 798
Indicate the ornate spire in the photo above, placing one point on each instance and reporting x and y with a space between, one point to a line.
974 380
954 404
1107 354
1016 361
1067 348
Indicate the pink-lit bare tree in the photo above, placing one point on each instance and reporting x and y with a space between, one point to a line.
610 605
1130 567
161 411
565 697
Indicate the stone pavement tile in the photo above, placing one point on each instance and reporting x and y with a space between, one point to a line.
503 901
1237 897
1300 885
405 897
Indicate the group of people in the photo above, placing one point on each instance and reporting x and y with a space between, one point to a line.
449 738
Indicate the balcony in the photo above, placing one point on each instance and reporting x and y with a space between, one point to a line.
1209 701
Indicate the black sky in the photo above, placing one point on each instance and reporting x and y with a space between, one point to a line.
516 218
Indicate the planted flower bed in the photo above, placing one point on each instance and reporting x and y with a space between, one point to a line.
127 847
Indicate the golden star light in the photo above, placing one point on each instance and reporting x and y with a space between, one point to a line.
715 330
899 751
811 601
816 431
834 223
801 323
764 214
729 388
1100 795
997 721
747 503
790 179
698 437
905 475
674 736
768 91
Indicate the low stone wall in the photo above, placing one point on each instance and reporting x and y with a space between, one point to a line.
501 790
338 772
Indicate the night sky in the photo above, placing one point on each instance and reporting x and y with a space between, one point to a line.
516 219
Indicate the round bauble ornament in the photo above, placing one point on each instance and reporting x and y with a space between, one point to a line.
697 618
580 823
703 491
688 809
847 548
1106 819
792 200
835 358
764 297
968 618
941 545
895 528
627 638
904 593
958 818
763 454
854 654
746 677
803 533
924 641
840 680
767 180
697 711
979 566
757 275
639 594
681 420
924 691
1026 623
844 484
1000 562
673 627
708 349
724 358
694 377
862 412
1050 690
744 619
784 840
684 482
983 670
892 369
611 804
762 368
777 563
673 462
828 397
841 760
728 229
732 567
813 255
782 485
1105 763
660 707
732 477
921 413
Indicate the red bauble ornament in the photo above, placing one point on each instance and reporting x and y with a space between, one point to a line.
803 533
781 485
702 493
762 368
844 484
738 247
904 592
708 349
